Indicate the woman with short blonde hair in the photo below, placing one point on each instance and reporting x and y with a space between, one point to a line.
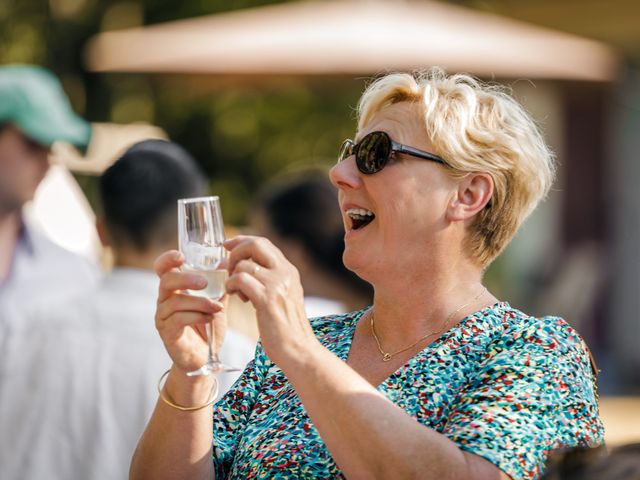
476 127
438 379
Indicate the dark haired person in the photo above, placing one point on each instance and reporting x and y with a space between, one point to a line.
34 113
301 216
83 375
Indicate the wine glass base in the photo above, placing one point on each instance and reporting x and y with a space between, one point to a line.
212 368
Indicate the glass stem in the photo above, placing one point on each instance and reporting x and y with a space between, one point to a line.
213 356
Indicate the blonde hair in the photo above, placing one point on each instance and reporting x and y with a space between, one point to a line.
476 128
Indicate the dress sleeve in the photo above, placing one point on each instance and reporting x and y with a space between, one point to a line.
534 393
231 413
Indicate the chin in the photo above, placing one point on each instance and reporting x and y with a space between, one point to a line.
349 260
355 262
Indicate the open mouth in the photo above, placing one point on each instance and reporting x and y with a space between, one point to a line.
360 217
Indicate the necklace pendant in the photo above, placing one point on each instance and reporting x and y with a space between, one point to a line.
386 357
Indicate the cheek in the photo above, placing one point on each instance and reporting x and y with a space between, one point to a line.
30 170
419 206
14 159
11 168
23 173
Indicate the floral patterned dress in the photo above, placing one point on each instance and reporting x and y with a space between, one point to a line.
500 384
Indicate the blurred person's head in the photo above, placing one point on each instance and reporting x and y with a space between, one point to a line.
34 113
300 214
138 196
489 168
583 463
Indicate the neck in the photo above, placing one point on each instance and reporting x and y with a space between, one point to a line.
410 303
10 224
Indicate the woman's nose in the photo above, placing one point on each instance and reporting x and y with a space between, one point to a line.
345 174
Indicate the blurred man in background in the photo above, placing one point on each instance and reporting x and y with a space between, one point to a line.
34 113
81 381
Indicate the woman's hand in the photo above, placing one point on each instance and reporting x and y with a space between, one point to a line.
260 273
181 318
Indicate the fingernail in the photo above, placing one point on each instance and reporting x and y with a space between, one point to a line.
200 281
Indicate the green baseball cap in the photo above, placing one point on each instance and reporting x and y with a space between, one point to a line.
32 99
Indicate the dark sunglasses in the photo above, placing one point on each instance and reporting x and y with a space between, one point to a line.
374 151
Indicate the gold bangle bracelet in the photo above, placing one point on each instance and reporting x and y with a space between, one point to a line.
212 395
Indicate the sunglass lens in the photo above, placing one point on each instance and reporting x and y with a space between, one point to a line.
346 150
373 152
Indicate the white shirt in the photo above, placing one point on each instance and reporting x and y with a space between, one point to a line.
320 307
78 382
41 272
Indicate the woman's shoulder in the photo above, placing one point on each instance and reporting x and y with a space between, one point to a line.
521 336
549 331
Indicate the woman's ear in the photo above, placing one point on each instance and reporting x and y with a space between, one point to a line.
473 193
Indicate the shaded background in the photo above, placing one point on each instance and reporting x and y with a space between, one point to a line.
578 254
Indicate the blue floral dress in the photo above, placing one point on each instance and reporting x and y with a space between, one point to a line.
500 384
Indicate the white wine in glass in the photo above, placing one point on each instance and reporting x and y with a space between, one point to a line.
215 282
201 238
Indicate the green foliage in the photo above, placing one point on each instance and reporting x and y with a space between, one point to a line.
245 135
243 132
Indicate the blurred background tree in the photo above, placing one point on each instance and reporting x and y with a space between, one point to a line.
241 133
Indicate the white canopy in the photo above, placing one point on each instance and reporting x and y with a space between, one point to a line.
352 37
108 142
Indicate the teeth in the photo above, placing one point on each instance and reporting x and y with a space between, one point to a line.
359 212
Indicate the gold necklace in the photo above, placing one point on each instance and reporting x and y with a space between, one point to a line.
386 356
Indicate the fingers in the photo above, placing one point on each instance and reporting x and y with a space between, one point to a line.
233 242
178 321
173 281
259 249
262 270
252 268
168 261
247 287
185 304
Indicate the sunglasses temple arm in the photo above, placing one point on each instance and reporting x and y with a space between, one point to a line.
416 153
421 154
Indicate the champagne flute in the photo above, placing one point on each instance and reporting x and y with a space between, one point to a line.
201 238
